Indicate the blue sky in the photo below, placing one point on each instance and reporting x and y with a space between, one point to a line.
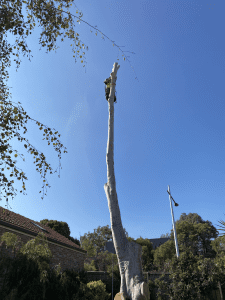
169 122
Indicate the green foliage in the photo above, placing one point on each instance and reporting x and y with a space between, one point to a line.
152 288
35 249
98 289
60 227
147 253
163 254
26 284
24 277
94 242
192 232
90 267
50 19
201 263
167 235
192 277
74 240
218 245
197 233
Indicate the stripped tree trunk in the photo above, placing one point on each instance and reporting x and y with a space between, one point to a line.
128 253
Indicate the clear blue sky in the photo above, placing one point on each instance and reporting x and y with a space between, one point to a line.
169 124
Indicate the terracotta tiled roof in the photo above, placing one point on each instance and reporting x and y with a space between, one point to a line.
23 224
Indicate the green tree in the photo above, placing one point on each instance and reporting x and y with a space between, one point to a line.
90 267
192 232
28 274
197 233
163 255
218 244
94 242
147 253
192 277
60 227
165 235
12 118
36 250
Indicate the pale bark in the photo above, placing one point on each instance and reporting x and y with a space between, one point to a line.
128 253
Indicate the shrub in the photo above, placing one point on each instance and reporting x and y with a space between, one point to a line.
23 276
98 290
90 267
23 281
28 275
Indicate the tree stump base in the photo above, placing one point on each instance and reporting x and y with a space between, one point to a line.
120 296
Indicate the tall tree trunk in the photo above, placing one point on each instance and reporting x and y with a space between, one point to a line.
128 253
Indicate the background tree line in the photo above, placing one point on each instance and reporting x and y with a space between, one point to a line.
200 266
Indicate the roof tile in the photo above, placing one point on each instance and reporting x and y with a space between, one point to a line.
26 223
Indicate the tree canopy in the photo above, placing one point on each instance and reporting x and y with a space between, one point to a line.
192 277
192 232
94 242
60 227
36 249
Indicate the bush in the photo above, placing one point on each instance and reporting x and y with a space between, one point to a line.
22 281
152 288
90 267
21 278
98 290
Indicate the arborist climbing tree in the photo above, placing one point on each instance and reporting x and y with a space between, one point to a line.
107 83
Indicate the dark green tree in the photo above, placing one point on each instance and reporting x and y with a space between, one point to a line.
35 249
196 233
147 253
192 232
192 277
165 235
28 275
50 18
94 242
60 227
